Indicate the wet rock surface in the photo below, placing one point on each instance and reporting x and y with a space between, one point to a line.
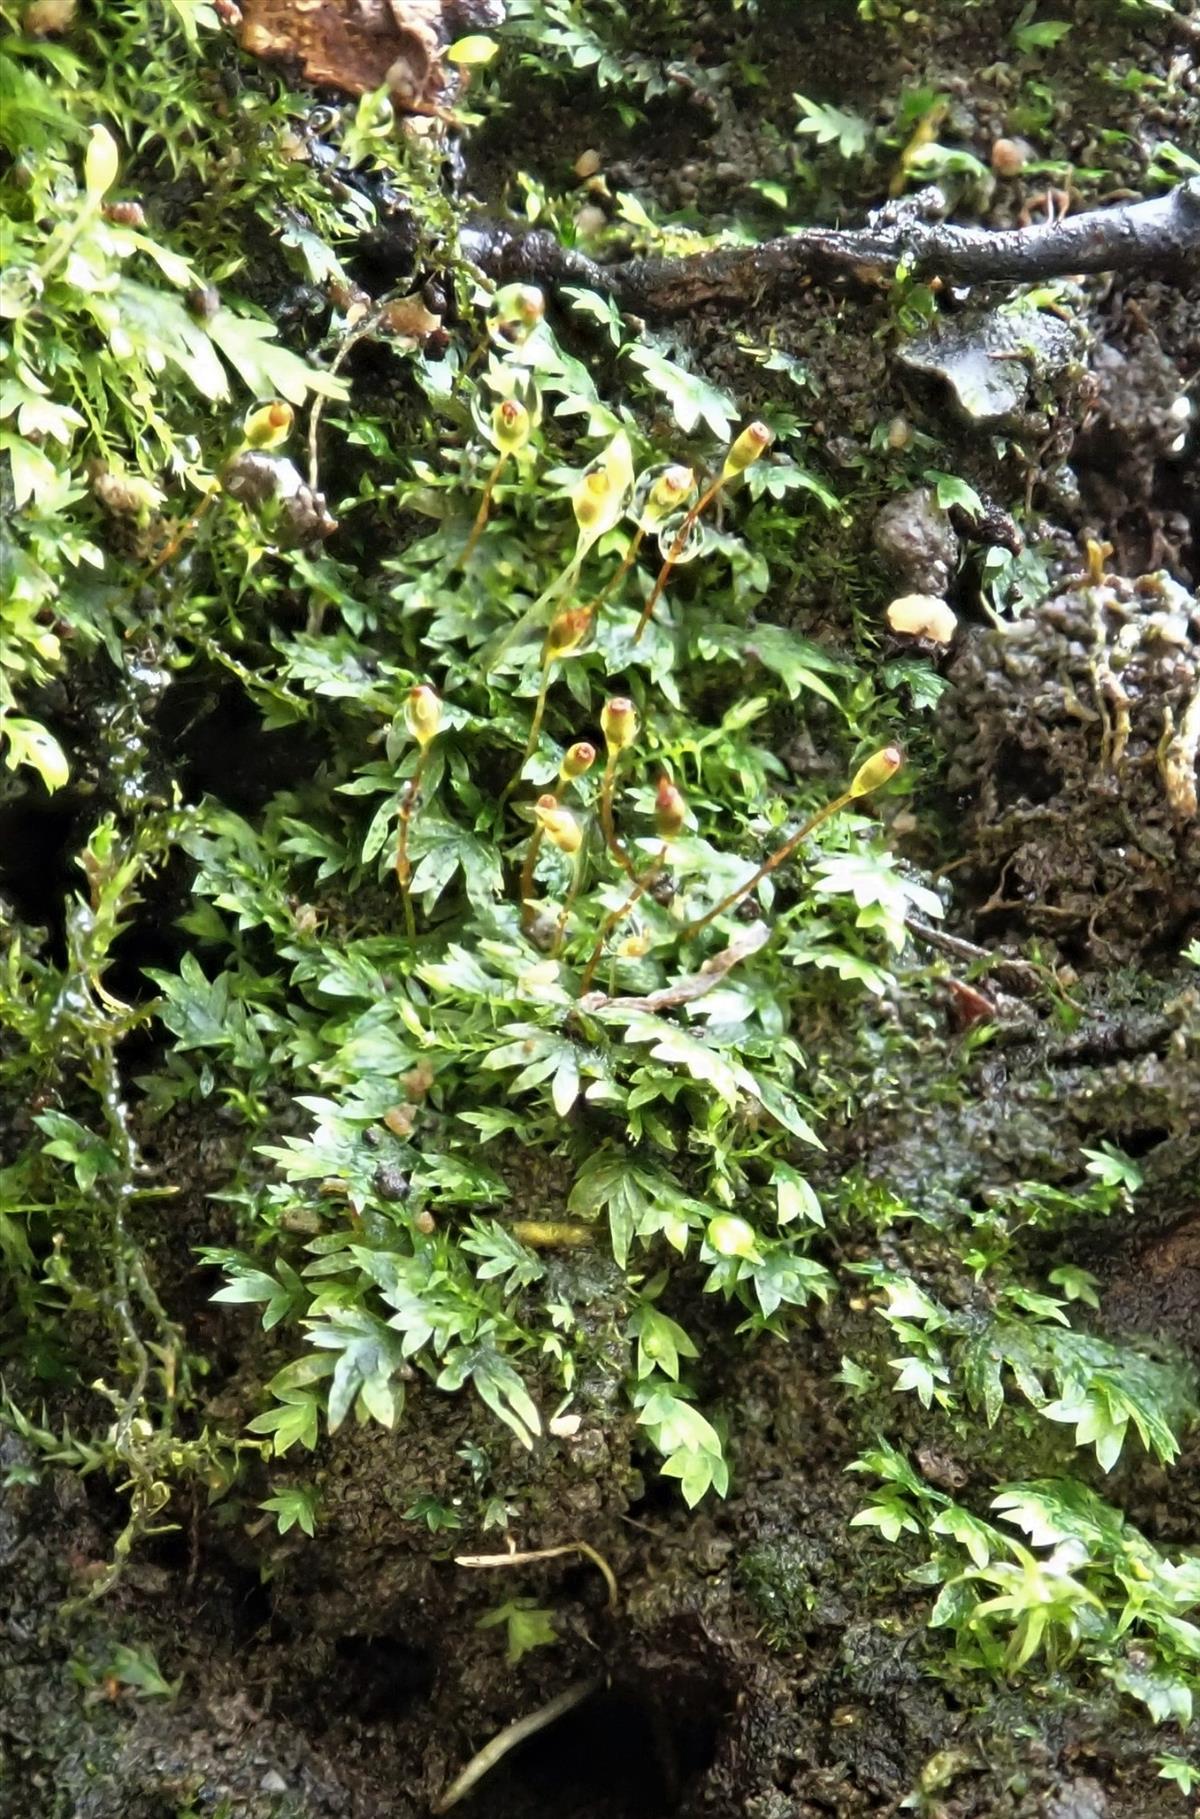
1072 737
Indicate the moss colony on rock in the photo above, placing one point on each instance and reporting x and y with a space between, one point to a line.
601 1035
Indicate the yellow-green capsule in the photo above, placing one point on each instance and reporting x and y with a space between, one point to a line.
619 723
269 425
578 759
511 426
101 162
876 771
568 631
558 824
754 441
670 810
730 1236
667 495
423 715
516 311
599 497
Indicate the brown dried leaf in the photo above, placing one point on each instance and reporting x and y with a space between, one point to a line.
356 45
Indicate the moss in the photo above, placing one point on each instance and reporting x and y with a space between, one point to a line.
488 1260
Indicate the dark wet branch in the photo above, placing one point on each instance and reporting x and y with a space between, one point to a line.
1162 235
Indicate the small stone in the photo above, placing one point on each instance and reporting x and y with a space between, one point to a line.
923 616
587 164
273 1782
1010 156
590 220
990 360
1079 1799
49 18
916 539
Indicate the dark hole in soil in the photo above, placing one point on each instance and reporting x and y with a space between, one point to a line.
220 746
621 1755
1140 1143
376 1678
235 1601
1020 775
659 1498
38 840
152 938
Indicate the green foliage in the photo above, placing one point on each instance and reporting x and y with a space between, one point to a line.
1022 1338
1184 1774
526 1627
120 365
491 1112
829 125
625 50
1085 1583
132 1668
1030 34
295 1507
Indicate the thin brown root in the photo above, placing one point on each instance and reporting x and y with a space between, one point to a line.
550 1553
511 1735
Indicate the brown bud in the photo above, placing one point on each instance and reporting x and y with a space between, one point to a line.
48 18
1010 156
670 810
203 301
125 214
923 616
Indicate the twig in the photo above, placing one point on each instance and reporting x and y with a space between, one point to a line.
511 1735
1007 964
549 1553
694 985
481 516
1161 234
678 546
349 342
